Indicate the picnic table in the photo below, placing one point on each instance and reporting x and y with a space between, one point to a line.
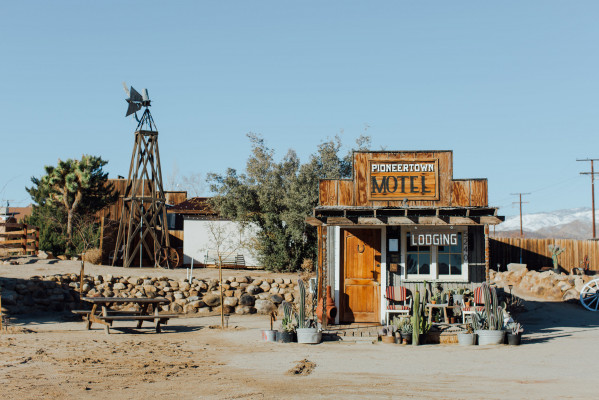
101 314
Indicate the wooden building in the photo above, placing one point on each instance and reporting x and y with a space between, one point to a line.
402 219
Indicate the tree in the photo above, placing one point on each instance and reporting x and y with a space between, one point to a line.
278 196
73 188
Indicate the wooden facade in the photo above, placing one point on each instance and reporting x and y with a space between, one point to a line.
374 222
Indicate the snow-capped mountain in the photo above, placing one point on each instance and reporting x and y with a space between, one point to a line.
574 223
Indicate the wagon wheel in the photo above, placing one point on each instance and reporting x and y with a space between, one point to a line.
167 257
589 295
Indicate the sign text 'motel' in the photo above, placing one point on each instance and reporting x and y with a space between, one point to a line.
415 180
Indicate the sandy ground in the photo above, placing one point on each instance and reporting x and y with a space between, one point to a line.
191 360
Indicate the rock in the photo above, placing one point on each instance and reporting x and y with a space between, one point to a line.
119 286
564 286
264 306
234 284
242 279
178 295
279 280
107 278
177 308
204 310
42 255
571 294
197 304
276 298
247 300
212 300
578 284
289 297
244 310
263 296
230 301
265 286
253 290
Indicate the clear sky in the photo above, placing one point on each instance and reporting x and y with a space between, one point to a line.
511 87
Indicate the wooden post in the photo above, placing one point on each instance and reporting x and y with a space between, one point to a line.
487 278
37 240
24 239
81 275
220 278
102 240
1 313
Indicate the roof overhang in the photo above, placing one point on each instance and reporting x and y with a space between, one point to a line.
346 215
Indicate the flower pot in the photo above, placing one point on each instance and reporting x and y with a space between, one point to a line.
466 339
452 320
514 339
490 337
269 335
466 304
407 337
308 335
285 337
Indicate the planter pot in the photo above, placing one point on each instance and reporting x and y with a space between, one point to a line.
406 337
285 337
466 339
308 335
452 320
330 308
269 335
514 340
388 339
489 337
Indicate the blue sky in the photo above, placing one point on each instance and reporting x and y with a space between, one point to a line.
511 87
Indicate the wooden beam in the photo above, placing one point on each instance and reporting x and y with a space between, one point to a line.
431 221
370 221
313 221
401 221
339 221
461 221
490 220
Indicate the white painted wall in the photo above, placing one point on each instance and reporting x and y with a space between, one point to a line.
198 239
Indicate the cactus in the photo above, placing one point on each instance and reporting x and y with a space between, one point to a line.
492 316
416 319
301 319
555 251
287 323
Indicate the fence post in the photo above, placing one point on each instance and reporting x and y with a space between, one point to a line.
24 240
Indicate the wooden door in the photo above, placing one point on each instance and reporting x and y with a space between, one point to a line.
361 272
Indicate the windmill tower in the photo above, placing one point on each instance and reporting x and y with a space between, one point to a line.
143 230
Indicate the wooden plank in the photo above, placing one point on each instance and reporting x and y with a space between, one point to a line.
490 220
313 221
360 179
431 221
460 193
462 221
346 192
328 193
478 193
339 221
401 220
370 221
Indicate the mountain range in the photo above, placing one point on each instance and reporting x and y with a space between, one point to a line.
573 223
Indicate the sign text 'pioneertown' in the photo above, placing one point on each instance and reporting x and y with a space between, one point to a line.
415 180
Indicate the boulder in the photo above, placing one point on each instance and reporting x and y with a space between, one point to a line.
253 290
264 306
571 294
119 286
276 298
212 300
230 301
247 300
245 310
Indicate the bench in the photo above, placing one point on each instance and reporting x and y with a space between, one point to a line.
235 260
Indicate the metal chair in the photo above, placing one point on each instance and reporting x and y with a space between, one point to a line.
398 301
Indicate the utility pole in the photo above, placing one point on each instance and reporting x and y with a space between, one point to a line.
592 173
521 232
516 202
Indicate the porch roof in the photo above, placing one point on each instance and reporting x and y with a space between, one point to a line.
351 215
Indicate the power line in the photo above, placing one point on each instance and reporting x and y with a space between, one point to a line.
516 202
592 173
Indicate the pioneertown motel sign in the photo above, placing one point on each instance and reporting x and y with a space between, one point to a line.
414 180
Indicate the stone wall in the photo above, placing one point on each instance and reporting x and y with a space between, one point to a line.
547 285
242 295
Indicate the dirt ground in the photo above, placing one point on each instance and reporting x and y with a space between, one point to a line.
53 356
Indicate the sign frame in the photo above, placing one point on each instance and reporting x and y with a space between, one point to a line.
413 196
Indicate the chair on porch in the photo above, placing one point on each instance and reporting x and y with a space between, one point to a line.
477 304
398 301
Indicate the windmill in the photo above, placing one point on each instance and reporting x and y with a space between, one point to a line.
143 227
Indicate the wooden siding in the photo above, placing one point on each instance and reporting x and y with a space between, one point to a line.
536 254
452 193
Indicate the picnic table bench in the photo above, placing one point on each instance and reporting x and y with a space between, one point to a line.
101 314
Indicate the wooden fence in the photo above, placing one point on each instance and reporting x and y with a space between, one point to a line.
536 253
19 239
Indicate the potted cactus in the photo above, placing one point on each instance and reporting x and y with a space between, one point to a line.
488 324
514 333
306 333
467 337
287 333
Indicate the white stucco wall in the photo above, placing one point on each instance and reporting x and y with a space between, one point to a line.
199 238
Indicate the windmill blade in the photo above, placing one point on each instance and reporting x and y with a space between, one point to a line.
144 95
135 96
133 107
126 89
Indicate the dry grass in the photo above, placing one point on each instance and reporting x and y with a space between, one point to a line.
93 256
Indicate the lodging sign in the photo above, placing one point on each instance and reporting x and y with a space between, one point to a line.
398 180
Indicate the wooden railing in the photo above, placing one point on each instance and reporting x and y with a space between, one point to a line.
19 239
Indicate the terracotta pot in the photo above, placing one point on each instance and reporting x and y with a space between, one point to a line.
331 309
452 320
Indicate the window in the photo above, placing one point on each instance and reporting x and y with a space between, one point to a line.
433 253
418 258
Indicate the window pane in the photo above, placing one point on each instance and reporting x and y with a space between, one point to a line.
456 264
458 247
443 263
443 249
412 263
410 247
425 260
